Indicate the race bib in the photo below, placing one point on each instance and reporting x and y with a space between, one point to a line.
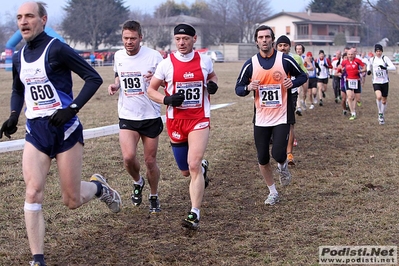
192 94
270 96
353 84
42 94
132 84
379 75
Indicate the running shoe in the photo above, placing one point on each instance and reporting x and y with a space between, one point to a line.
191 222
35 263
359 103
324 94
321 103
272 199
290 159
344 112
353 117
205 164
311 107
381 119
285 175
295 143
298 111
337 100
137 196
109 195
155 207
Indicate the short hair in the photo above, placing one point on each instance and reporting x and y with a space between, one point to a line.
132 25
263 27
303 47
42 8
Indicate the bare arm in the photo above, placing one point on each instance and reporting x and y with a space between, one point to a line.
153 92
113 88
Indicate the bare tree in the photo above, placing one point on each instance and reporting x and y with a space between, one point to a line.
222 28
246 14
94 22
389 9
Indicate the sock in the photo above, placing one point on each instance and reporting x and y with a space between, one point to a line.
272 189
379 106
151 195
140 182
196 211
383 108
353 113
99 188
39 258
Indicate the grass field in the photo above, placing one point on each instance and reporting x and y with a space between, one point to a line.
344 190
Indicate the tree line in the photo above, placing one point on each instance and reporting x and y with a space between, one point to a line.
95 22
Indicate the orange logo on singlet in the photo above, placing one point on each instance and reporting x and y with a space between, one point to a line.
278 76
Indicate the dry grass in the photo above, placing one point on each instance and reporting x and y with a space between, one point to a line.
328 202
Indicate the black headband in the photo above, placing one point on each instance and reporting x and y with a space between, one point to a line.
184 29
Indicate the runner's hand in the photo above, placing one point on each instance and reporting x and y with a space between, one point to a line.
9 127
212 87
175 99
61 116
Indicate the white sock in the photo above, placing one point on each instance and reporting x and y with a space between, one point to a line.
272 189
379 106
140 182
383 107
196 211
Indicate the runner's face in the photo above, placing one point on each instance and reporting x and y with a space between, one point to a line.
298 50
131 41
351 55
283 47
29 22
185 43
264 41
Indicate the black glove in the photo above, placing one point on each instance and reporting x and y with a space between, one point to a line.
61 116
175 100
9 127
369 72
212 87
383 67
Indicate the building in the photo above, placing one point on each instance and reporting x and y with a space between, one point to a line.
315 28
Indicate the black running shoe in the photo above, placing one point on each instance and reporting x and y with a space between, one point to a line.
191 222
137 198
155 207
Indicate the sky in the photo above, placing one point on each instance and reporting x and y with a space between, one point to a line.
54 7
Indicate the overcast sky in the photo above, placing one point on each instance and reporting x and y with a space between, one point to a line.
54 7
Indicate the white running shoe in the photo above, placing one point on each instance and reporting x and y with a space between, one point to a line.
272 199
285 175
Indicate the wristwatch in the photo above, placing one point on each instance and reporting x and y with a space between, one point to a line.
74 107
